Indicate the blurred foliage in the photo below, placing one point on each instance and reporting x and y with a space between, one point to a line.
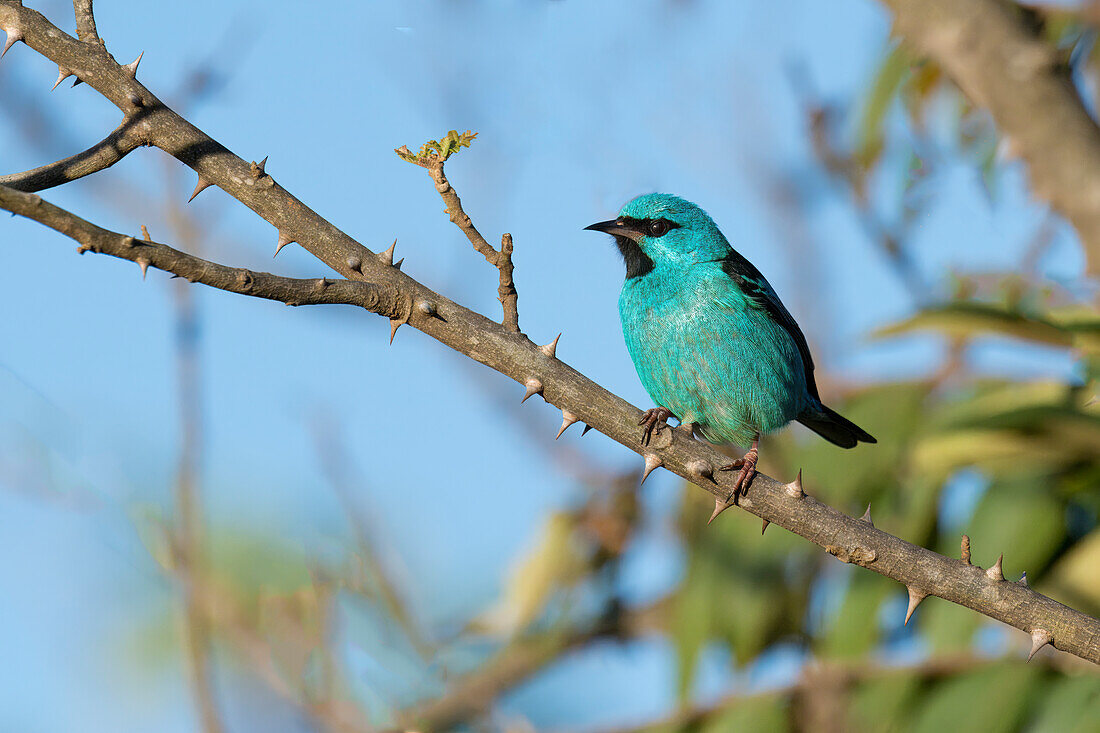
1012 462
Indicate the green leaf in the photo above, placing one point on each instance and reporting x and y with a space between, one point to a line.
990 700
880 704
888 80
1071 706
949 627
1027 527
979 319
854 631
739 589
770 714
437 151
553 563
1075 573
998 452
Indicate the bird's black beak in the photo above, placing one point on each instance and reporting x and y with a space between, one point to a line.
617 228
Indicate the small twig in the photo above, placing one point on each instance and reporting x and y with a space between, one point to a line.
500 259
458 216
506 292
336 463
85 22
125 138
431 157
471 695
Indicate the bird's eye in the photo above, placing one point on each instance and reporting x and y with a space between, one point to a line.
658 227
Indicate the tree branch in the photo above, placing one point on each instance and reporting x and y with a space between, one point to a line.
85 21
394 294
834 680
1004 66
123 140
474 694
382 300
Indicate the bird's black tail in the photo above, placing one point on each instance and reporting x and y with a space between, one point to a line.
834 427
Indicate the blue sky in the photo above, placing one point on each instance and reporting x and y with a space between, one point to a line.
579 106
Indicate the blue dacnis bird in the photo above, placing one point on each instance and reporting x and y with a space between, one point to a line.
712 343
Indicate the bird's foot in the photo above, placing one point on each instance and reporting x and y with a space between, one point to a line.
654 419
747 464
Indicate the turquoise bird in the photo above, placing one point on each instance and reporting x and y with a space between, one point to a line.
711 341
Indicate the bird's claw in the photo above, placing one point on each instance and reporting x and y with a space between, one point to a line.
747 472
655 418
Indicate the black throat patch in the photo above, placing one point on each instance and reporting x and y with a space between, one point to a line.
637 261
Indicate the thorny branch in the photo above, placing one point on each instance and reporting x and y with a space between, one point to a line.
146 253
123 140
393 294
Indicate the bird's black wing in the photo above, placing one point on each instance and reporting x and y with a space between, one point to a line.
758 290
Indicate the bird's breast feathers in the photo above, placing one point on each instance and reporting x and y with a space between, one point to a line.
706 351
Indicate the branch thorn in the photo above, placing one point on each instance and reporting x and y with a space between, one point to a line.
586 429
144 265
534 387
997 571
200 186
62 75
13 36
387 257
567 419
257 169
763 526
284 240
794 488
915 597
652 463
395 323
131 68
1039 639
354 263
551 349
867 516
721 505
397 265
